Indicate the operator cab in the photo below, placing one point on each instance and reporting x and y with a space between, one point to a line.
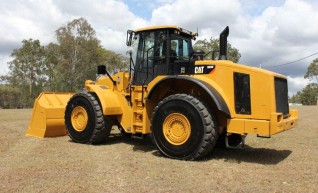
163 50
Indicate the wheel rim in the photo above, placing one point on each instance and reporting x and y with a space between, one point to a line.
176 129
79 118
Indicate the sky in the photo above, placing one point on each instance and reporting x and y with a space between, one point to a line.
267 33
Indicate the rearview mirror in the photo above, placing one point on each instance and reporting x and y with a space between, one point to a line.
129 37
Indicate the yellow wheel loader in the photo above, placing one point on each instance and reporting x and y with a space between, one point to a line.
186 103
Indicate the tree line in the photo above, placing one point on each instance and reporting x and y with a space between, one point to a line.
309 95
60 66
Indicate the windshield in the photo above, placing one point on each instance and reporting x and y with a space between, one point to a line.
134 47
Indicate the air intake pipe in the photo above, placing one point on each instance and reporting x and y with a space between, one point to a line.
223 43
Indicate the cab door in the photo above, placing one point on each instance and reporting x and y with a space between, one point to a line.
151 59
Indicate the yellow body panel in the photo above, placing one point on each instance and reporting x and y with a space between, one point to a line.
265 128
158 27
115 97
263 117
107 98
263 120
223 78
48 115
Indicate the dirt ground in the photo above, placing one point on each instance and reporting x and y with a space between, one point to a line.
287 162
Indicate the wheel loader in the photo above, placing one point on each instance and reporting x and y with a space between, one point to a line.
185 103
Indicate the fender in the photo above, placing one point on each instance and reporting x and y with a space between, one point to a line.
211 91
108 99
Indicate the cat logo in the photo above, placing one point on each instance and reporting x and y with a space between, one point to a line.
199 70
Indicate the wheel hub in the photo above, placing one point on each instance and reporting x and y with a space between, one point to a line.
79 118
176 129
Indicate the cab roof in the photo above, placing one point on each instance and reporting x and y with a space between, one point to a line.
167 27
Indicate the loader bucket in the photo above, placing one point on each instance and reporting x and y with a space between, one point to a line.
48 115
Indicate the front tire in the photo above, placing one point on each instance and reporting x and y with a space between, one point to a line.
183 128
84 119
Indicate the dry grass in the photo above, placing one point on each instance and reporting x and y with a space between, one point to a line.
288 162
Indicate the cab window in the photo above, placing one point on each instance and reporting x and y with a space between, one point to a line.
180 48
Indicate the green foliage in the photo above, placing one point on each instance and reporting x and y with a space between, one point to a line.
79 53
312 71
10 97
28 71
76 56
212 45
308 96
114 62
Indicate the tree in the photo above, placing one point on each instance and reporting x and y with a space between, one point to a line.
295 98
312 71
78 54
308 96
27 70
114 62
51 61
212 45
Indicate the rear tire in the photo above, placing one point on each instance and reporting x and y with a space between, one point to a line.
183 128
84 120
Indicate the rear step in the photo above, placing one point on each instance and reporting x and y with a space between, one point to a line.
137 136
240 145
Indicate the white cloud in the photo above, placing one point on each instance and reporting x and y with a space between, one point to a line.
282 34
202 14
296 84
24 20
113 40
4 59
110 13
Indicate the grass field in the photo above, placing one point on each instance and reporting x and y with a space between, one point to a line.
287 162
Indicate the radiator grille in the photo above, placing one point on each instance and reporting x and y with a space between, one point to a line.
281 96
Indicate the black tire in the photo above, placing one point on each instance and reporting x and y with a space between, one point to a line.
221 141
97 127
202 137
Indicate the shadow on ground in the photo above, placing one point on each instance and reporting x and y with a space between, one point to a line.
248 154
144 145
251 155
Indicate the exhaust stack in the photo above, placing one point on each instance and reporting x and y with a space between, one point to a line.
223 43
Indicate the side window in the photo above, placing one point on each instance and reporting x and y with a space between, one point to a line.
185 49
179 49
242 93
174 51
